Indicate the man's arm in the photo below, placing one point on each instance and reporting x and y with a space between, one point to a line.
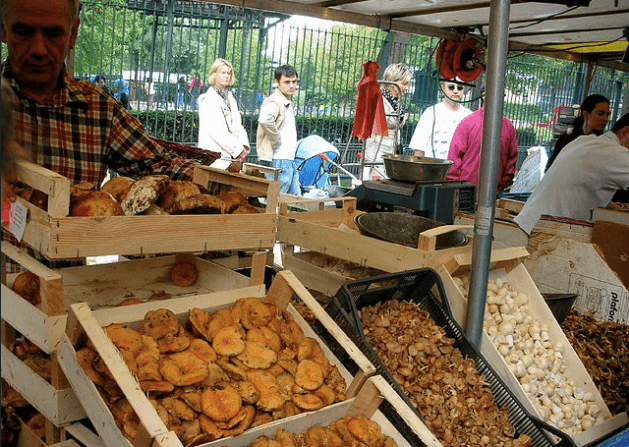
512 157
268 120
458 146
134 154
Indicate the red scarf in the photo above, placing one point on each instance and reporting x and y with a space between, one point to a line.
370 117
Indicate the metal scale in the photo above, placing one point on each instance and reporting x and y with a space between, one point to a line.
436 200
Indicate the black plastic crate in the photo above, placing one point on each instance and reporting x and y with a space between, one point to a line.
424 287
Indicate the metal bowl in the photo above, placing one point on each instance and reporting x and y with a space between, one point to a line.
404 229
412 168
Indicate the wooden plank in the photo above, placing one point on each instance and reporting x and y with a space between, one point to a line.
58 406
119 370
55 186
428 239
505 234
258 267
108 284
84 435
312 276
360 249
506 258
40 328
96 409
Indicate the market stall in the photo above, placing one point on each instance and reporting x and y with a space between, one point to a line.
331 371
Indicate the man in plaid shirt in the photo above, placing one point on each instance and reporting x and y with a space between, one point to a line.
69 126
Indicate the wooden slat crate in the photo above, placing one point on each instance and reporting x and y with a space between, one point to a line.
56 235
318 278
101 286
541 313
333 232
85 322
407 430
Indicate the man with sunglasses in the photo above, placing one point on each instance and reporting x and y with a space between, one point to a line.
436 126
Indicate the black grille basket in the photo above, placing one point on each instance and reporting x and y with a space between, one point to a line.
424 287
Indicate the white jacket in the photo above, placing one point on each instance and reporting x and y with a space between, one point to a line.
221 129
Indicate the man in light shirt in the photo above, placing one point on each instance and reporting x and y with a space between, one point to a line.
435 128
588 172
277 133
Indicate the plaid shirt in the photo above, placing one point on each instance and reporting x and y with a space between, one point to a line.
82 131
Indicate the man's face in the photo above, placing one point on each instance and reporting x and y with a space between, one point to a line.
287 86
453 91
38 34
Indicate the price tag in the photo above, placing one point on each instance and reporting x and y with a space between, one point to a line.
17 222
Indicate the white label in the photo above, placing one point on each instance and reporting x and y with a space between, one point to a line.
17 223
483 218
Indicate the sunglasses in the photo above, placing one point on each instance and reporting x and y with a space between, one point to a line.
453 87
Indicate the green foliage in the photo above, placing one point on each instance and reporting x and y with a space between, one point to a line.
529 113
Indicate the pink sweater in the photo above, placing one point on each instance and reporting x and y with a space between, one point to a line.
465 150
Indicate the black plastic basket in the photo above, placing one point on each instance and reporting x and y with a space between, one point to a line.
424 287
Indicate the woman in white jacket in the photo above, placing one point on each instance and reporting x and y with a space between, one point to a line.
220 123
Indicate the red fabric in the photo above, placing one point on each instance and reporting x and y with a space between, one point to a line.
370 117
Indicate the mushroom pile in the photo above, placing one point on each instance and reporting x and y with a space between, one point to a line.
446 389
344 432
603 347
226 371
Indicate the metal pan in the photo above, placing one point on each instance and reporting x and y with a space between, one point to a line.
404 229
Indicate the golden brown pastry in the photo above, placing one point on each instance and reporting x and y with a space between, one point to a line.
118 187
199 204
95 203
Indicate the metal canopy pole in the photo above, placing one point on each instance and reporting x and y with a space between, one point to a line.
490 157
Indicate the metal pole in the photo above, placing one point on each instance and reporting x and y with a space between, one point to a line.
490 157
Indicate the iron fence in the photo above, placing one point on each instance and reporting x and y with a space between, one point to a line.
169 41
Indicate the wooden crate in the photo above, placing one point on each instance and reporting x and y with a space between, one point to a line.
315 277
575 370
101 286
56 235
83 321
333 232
375 401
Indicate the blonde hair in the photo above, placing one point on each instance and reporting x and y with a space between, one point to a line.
398 72
219 63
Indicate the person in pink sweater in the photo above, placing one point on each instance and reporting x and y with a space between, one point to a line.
465 150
